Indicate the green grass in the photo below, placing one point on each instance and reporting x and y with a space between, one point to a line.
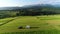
36 32
5 21
47 25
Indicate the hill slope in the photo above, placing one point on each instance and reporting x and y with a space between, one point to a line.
44 24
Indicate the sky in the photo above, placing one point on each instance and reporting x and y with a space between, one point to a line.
9 3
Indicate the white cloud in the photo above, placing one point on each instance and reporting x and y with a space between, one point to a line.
4 3
49 1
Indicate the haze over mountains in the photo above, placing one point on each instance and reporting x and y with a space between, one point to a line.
29 6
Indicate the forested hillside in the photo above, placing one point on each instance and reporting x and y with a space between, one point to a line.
29 11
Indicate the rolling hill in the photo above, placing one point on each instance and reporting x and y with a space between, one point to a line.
46 25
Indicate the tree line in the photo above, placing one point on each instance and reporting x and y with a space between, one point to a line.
32 11
35 12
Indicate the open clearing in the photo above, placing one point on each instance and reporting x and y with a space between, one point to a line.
47 25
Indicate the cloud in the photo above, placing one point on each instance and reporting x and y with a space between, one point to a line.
31 2
49 1
27 2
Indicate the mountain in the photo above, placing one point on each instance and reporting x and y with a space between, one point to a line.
10 8
27 6
38 5
56 5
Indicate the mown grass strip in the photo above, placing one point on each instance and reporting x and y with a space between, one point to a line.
7 22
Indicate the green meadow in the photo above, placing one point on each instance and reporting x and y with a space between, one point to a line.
46 25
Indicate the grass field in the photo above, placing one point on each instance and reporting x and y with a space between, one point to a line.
46 25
